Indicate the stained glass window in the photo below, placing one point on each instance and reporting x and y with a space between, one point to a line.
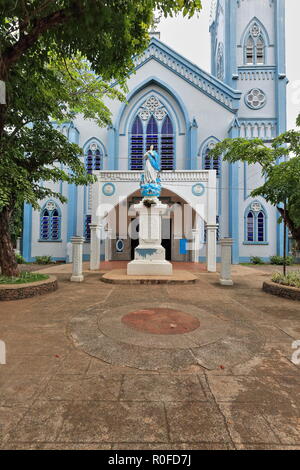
50 223
93 159
154 132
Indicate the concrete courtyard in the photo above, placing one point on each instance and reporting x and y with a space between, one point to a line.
78 378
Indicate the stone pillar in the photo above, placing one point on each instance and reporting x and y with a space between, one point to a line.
195 233
149 258
108 245
77 245
18 246
95 247
211 247
225 275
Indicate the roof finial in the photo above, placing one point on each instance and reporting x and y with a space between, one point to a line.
156 20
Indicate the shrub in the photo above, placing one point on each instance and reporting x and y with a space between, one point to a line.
256 260
279 260
291 279
20 259
23 278
43 259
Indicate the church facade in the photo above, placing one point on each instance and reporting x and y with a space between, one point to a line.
183 112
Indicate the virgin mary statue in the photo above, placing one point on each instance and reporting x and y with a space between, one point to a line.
152 166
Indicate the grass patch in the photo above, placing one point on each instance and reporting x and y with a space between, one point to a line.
292 279
23 278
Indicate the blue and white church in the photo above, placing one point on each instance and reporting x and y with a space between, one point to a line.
182 111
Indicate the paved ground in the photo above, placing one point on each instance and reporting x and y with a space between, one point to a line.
54 395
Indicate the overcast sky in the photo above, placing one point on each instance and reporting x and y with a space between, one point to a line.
191 38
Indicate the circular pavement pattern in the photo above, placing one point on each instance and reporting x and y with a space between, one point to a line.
154 336
161 321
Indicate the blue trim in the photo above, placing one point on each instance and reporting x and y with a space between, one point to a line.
111 148
234 200
57 208
72 212
255 222
107 193
193 145
264 31
27 232
198 193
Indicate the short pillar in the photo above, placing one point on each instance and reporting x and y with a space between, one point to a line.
195 233
108 245
77 248
18 246
211 248
95 247
225 275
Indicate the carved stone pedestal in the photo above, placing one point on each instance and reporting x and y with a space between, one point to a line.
150 257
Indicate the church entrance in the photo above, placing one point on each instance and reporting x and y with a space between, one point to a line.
166 239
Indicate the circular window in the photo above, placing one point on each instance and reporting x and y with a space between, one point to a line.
255 98
198 189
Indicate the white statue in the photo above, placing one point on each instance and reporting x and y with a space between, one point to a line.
152 166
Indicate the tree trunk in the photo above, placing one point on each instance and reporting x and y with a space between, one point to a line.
293 228
9 266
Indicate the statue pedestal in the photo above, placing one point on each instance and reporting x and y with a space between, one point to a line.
150 256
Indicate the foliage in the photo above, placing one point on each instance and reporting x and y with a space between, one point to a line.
281 172
20 259
281 261
256 260
291 279
23 278
43 259
47 51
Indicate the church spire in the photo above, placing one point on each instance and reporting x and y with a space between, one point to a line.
153 31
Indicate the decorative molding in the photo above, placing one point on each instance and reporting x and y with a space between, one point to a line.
198 189
181 176
258 128
206 83
108 189
152 107
264 73
255 98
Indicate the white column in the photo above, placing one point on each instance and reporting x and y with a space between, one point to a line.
211 248
95 247
108 245
211 236
195 234
77 248
225 275
18 246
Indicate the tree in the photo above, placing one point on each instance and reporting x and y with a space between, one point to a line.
47 51
280 163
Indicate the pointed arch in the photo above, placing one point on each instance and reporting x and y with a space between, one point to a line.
255 41
209 163
94 153
50 222
256 224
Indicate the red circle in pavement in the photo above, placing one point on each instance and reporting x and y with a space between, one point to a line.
161 321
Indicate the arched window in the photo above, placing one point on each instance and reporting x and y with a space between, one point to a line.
254 47
255 224
50 223
167 145
93 158
210 163
137 145
220 62
152 126
250 227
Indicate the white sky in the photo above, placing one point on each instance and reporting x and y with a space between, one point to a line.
191 38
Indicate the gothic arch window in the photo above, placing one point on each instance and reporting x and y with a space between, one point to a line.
152 126
93 157
210 163
50 222
255 45
255 223
137 145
